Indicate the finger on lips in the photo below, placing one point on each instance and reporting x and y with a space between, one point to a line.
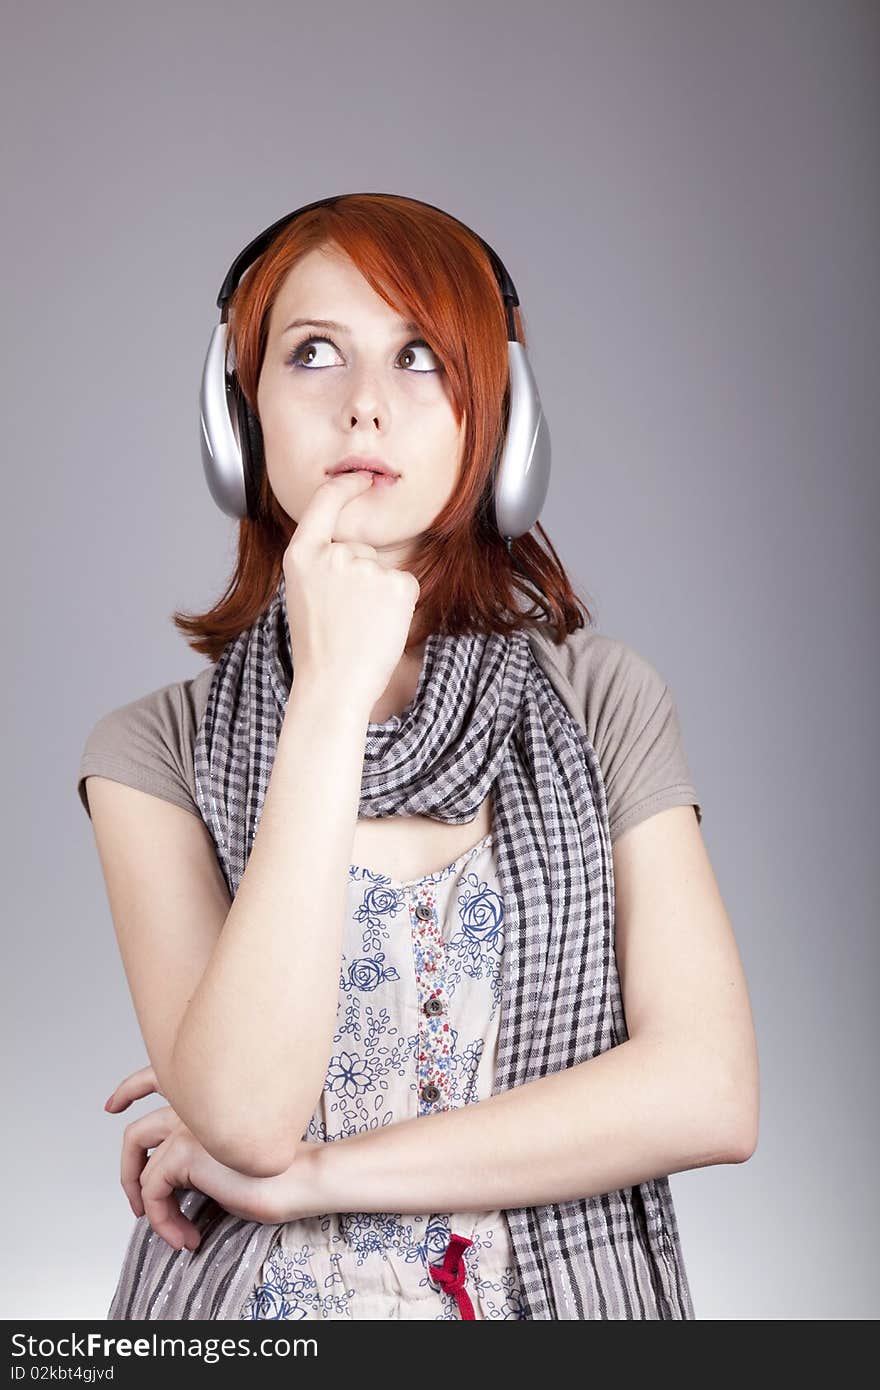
317 521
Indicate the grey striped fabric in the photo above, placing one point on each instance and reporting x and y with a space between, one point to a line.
484 716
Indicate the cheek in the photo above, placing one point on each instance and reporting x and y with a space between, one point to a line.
284 405
288 430
441 469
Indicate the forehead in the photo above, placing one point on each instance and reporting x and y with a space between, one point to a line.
326 283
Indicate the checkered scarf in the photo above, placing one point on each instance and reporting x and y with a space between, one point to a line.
484 716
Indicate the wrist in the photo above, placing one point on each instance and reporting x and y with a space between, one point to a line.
328 705
303 1188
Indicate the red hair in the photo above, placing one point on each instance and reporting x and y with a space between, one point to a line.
427 267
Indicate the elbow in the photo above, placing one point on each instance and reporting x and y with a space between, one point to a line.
736 1111
253 1133
248 1139
246 1151
720 1137
744 1090
739 1147
251 1160
253 1154
744 1137
719 1112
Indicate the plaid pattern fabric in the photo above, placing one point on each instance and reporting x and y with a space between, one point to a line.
485 715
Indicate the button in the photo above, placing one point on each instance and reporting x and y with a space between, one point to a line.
430 1092
424 913
434 1006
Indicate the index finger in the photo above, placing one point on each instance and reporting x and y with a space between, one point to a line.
318 521
140 1083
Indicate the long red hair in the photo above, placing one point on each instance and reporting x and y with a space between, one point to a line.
429 268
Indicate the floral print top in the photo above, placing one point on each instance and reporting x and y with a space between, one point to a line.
417 1029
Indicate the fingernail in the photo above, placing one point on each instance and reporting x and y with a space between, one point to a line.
109 1101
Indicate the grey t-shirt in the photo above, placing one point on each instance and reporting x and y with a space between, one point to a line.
624 704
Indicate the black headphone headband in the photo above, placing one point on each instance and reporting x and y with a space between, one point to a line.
255 248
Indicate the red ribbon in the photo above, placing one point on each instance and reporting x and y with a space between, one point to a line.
453 1273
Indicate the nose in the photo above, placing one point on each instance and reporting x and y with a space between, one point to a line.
364 402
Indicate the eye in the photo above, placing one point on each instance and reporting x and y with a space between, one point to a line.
420 343
297 357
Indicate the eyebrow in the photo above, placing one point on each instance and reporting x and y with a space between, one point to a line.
402 327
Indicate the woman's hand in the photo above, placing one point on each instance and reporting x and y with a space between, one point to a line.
141 1135
349 615
180 1160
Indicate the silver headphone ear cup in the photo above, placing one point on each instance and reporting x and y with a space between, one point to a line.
220 430
249 437
523 472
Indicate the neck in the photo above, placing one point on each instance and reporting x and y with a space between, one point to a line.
402 686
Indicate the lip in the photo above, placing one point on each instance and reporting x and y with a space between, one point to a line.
374 465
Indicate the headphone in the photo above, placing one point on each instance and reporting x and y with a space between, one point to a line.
232 439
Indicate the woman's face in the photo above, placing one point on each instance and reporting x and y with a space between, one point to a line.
362 386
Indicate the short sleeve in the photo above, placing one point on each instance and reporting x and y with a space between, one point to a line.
149 744
638 738
629 715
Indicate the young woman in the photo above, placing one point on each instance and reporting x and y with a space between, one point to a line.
423 939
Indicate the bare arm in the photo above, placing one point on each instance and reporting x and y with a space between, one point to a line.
252 1050
682 1092
253 1047
237 1000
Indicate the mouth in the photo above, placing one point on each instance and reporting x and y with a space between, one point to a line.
380 471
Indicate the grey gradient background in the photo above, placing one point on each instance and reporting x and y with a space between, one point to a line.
686 195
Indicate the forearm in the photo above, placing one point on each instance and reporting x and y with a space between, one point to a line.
253 1047
638 1111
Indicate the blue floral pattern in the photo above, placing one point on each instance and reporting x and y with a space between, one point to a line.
417 1030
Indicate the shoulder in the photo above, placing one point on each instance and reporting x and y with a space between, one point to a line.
629 714
605 676
148 742
589 659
